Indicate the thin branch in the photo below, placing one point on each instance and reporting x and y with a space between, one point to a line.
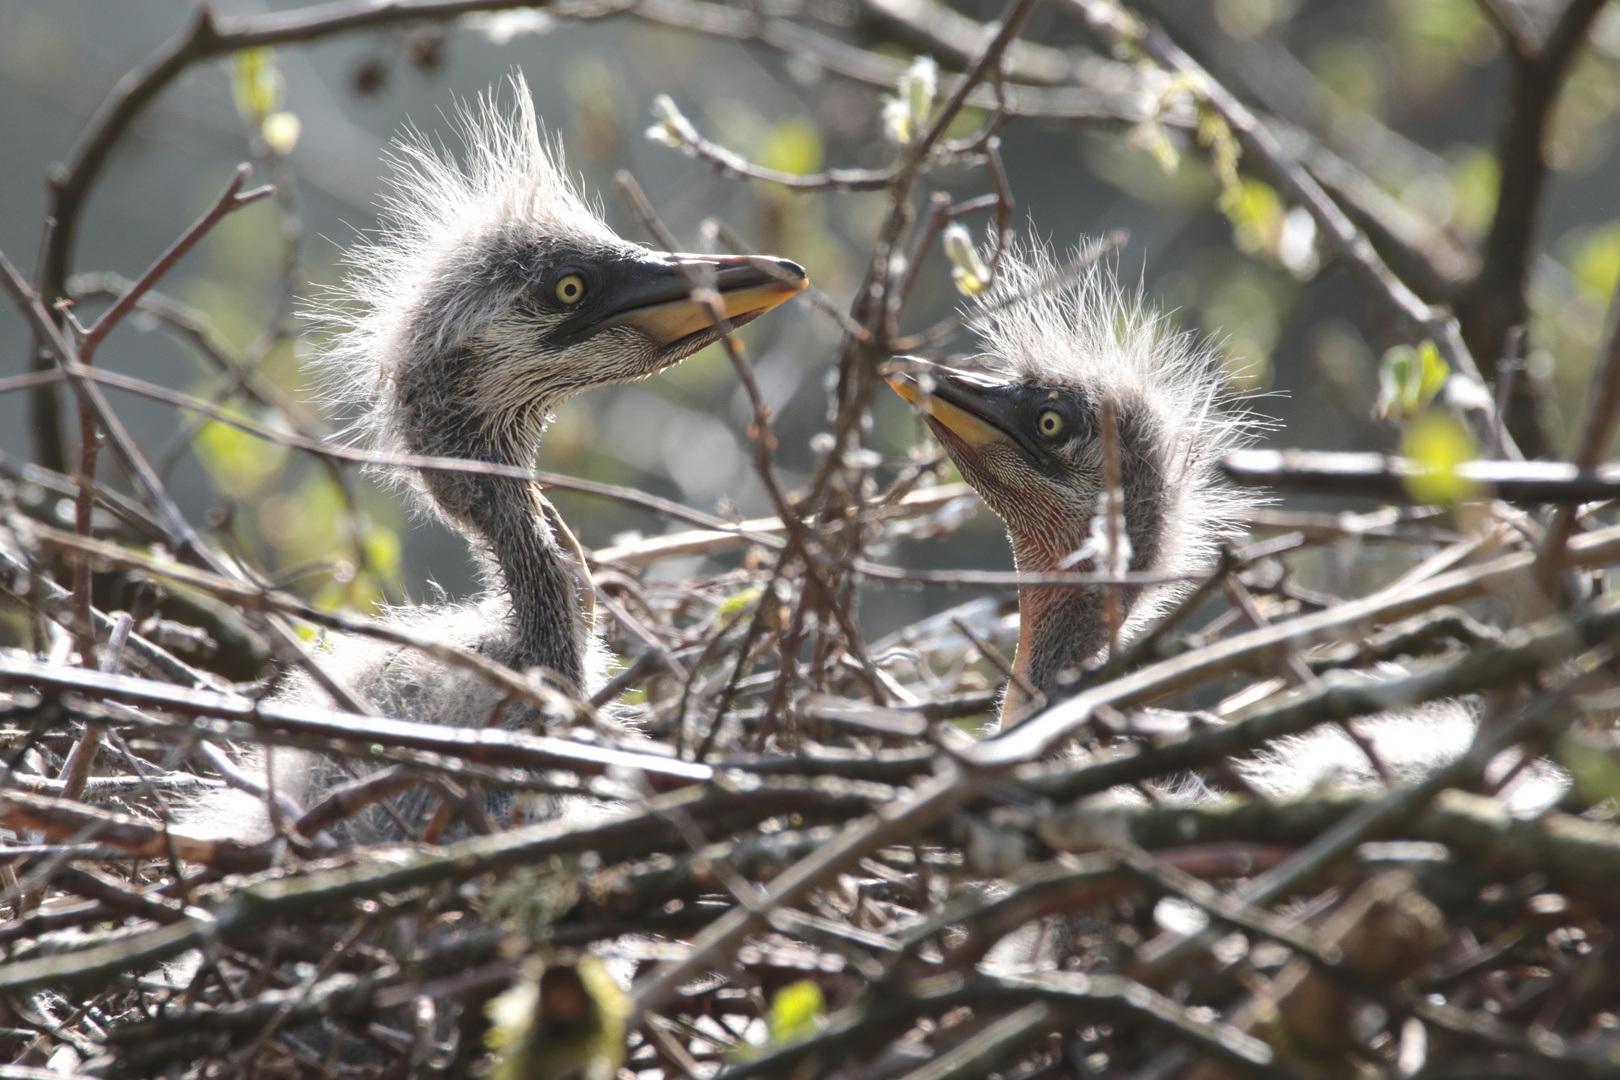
1384 476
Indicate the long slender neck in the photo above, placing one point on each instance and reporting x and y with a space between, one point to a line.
438 413
1059 628
1062 629
541 579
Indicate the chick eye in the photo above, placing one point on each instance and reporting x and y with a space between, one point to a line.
570 289
1049 423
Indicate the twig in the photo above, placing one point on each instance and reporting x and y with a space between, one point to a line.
1494 300
675 130
491 745
797 533
1383 476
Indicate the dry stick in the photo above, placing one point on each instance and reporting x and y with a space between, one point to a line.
1384 476
84 502
932 801
241 375
675 130
1494 300
652 549
90 436
1036 699
940 213
898 822
630 496
76 769
130 513
181 533
250 906
1090 252
1404 802
1602 403
252 597
50 599
1521 656
290 722
857 366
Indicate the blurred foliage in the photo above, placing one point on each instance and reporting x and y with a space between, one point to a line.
258 88
1437 442
576 1013
797 1011
1408 379
240 464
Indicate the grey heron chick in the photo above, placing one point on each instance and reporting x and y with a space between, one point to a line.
491 294
1025 431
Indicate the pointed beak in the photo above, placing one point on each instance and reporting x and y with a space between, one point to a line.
969 409
663 296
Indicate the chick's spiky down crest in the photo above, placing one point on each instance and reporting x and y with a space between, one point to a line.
460 237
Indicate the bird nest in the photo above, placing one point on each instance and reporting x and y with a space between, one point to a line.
799 880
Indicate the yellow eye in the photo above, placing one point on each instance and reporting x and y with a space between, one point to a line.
1049 423
571 289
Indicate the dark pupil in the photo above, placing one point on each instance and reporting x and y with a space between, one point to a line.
570 289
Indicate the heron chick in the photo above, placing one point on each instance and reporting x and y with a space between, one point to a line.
492 293
1025 430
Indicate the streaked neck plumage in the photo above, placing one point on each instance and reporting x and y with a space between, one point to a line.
536 559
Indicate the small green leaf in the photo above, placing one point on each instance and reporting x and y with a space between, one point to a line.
1437 442
972 277
1409 379
906 115
793 146
738 602
255 83
1433 371
1593 765
796 1012
919 85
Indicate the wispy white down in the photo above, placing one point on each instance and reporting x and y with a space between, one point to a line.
445 213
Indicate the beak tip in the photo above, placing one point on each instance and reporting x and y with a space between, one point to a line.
904 385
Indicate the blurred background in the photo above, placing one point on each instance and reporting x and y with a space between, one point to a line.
1411 92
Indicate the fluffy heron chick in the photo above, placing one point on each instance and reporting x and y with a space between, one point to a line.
1026 432
492 293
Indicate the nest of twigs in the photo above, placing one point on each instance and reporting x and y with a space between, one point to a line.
812 884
